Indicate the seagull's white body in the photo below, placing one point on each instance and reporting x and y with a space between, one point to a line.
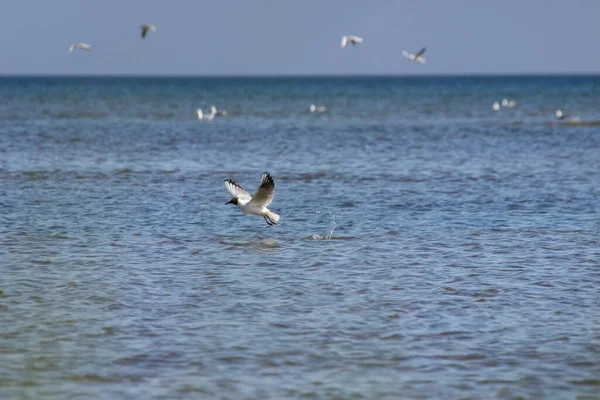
82 46
257 204
496 106
354 40
564 117
418 58
508 103
147 28
314 108
206 117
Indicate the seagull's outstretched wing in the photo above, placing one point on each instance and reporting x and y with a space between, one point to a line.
146 28
406 54
236 190
82 46
344 41
421 52
265 193
357 39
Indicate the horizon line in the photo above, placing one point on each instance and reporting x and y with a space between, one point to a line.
218 76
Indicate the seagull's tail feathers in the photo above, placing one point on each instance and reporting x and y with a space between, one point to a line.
272 216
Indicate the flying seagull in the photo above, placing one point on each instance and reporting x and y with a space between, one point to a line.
146 28
350 39
257 204
418 58
81 46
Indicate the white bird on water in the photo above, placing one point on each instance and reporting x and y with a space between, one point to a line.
418 58
314 108
564 117
147 28
508 103
496 106
207 117
257 204
354 40
82 46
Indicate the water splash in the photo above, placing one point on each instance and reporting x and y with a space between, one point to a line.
333 225
329 236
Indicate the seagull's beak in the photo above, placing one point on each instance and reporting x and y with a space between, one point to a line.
229 202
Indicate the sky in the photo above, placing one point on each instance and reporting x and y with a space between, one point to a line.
291 37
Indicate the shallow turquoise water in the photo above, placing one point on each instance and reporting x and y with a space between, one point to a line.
428 247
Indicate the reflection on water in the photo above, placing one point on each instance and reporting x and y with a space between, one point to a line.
258 244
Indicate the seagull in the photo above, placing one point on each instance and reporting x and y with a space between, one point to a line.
495 106
82 46
350 39
257 204
508 103
418 58
146 28
208 117
562 116
313 108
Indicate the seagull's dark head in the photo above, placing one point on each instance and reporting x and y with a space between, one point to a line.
232 201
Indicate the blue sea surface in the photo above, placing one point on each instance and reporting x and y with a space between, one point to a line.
428 247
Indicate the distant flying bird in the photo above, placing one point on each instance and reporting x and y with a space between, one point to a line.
418 58
350 39
146 28
81 46
320 109
207 117
508 103
495 106
257 204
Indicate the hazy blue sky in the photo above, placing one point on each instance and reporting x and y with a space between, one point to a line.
249 37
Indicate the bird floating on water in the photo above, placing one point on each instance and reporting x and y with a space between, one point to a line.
354 40
82 46
508 103
495 106
319 109
147 28
564 117
207 117
257 204
418 58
